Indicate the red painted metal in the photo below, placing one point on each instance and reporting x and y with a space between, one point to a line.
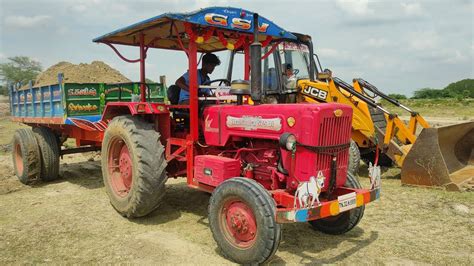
125 166
180 42
193 99
19 160
224 122
190 153
120 167
275 45
37 120
113 109
246 61
238 223
213 170
178 153
120 55
142 68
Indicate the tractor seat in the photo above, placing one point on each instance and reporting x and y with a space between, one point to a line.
173 94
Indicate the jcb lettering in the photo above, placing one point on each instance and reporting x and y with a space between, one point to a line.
320 94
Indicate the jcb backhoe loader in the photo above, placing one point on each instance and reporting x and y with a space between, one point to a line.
441 156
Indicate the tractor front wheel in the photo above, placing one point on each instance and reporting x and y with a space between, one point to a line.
343 222
133 166
242 220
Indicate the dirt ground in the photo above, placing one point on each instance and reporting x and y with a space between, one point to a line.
71 221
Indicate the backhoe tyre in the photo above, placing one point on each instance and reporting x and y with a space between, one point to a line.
242 220
49 150
345 221
26 156
384 160
133 166
354 159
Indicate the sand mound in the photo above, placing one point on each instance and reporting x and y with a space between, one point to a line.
95 72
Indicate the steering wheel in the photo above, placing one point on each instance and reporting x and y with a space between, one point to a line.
296 71
225 81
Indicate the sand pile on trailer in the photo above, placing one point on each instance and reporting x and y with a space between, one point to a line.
95 72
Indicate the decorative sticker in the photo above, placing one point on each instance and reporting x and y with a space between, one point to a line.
254 123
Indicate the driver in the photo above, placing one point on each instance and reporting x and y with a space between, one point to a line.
290 81
209 62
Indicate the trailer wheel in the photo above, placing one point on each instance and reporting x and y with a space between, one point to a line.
26 156
354 159
49 150
345 221
242 220
133 166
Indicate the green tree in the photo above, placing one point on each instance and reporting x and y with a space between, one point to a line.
3 90
397 96
428 93
19 69
463 88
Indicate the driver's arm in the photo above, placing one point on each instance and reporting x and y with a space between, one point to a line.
181 82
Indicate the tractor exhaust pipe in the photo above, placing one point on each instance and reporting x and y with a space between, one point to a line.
256 64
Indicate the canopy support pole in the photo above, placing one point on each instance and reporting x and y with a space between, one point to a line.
142 68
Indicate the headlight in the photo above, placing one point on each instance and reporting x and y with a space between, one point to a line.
288 141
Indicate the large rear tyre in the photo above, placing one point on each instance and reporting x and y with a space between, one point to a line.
133 166
345 221
242 220
26 156
49 150
354 159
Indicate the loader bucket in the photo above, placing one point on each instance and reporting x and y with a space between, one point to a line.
441 156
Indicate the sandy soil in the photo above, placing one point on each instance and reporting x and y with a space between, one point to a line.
95 72
71 221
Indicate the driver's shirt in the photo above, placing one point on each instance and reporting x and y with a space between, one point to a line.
184 95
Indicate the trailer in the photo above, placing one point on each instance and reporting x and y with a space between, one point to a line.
265 164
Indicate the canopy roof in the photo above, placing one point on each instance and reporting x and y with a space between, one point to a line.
213 29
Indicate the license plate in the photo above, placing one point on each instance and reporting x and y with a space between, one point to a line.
347 202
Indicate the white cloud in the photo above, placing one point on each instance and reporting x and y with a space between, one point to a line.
355 7
26 22
424 40
377 42
328 52
79 8
412 9
455 58
2 56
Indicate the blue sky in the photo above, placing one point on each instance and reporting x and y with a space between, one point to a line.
399 46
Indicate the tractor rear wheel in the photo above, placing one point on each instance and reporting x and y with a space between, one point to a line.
354 159
49 150
26 156
342 222
133 166
242 220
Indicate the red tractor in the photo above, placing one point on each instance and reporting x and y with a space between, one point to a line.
265 164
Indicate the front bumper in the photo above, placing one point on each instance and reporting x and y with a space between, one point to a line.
348 199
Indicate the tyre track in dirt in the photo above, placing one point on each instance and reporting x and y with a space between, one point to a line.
71 221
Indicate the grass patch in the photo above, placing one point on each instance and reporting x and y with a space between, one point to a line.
435 107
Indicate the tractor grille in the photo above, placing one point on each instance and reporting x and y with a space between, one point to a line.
334 131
